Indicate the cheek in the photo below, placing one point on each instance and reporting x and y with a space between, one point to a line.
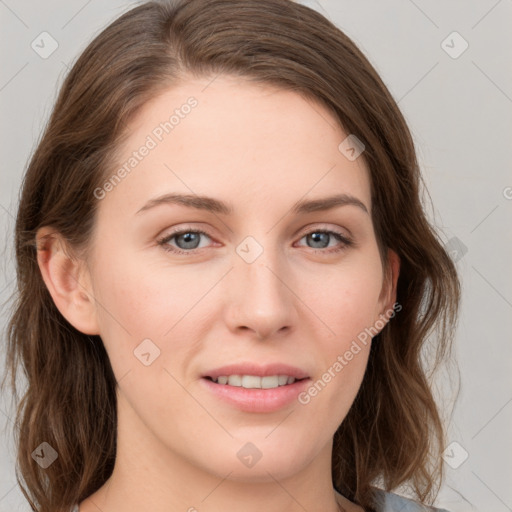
146 299
347 306
346 299
342 356
137 302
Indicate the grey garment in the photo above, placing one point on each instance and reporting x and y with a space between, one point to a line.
386 502
391 502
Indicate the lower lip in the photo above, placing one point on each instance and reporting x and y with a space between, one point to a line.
256 400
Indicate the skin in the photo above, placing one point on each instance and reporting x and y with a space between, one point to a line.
260 149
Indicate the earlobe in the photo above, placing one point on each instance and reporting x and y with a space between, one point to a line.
67 280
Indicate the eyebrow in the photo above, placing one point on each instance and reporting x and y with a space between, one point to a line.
213 205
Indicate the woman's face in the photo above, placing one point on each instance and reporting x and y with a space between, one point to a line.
264 291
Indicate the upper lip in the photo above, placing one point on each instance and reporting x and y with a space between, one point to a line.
256 369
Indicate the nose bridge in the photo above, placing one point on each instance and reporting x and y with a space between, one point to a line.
260 298
263 281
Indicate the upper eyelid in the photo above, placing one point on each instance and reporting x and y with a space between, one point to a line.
305 231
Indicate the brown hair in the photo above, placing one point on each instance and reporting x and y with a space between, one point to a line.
393 431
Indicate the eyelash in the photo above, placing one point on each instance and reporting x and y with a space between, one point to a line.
347 242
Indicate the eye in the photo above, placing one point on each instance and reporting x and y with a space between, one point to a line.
321 238
188 239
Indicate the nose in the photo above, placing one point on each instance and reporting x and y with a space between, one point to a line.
259 298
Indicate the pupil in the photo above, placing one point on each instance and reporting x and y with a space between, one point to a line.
189 240
317 237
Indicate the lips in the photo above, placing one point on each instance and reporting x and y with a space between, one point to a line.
256 388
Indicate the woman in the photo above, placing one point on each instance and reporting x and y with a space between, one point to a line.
226 277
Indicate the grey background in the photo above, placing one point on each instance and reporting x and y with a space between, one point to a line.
459 111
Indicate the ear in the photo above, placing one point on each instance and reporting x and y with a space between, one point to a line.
67 279
387 297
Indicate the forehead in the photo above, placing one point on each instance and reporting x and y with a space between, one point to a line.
246 143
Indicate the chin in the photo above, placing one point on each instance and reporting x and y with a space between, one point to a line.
277 467
259 460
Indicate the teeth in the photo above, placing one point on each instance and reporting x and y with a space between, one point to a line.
255 382
270 382
235 380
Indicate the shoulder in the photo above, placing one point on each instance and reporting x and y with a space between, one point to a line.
391 502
